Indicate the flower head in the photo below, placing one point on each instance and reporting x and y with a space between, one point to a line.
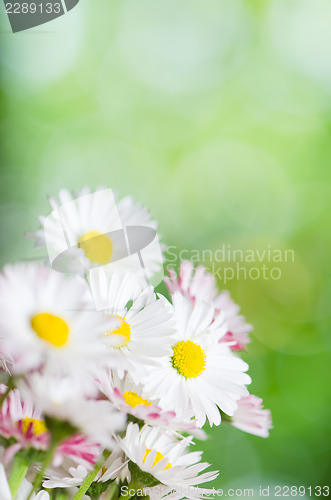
165 457
85 230
47 318
202 374
65 399
131 398
22 422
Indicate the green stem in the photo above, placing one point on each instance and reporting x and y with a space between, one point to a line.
46 463
58 495
125 496
91 476
18 473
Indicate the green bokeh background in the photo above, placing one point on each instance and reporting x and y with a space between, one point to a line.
216 115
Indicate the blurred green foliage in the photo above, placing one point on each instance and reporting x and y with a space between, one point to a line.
216 116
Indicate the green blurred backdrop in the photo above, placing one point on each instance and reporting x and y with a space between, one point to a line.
216 115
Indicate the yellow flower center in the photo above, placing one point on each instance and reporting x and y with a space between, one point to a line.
158 458
51 328
38 426
124 330
97 247
188 359
132 399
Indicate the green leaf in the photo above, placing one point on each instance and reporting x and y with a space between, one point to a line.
98 487
140 478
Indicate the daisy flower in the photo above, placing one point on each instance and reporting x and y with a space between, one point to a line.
146 322
251 417
63 398
130 398
199 284
166 458
22 422
43 319
69 475
201 375
23 491
85 230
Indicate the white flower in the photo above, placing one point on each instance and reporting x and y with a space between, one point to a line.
70 475
251 417
89 229
42 319
130 398
65 399
165 457
23 491
201 374
199 284
146 325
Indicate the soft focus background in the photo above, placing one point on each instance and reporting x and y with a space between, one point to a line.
216 115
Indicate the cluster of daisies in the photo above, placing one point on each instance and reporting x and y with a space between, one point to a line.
105 383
